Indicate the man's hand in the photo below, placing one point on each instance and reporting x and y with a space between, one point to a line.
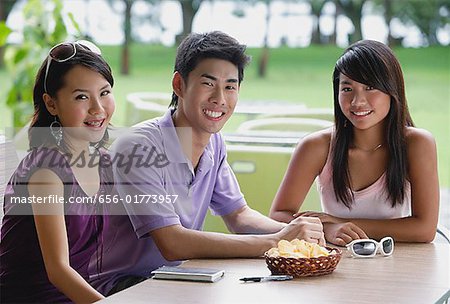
343 233
306 228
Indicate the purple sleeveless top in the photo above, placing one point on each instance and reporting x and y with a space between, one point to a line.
22 271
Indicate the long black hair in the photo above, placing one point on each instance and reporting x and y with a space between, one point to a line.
39 131
374 64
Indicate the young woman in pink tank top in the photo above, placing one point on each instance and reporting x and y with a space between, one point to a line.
376 172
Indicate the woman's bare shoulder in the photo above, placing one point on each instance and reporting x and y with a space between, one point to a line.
419 140
320 139
316 145
417 136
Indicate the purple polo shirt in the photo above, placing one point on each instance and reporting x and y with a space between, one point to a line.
160 171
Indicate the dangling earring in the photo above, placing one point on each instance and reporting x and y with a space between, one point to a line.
345 123
56 131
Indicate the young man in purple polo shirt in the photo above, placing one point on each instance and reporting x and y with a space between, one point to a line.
171 170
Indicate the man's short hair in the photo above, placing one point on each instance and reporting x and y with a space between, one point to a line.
196 47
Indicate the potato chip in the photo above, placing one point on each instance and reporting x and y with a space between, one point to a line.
297 249
298 255
286 254
273 252
285 247
297 242
302 247
319 251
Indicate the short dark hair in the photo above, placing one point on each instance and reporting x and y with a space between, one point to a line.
372 63
196 47
55 81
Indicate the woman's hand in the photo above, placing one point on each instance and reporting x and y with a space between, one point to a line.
342 233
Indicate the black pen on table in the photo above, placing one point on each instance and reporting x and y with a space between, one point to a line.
268 278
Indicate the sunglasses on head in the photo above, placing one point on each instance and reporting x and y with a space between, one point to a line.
367 248
65 51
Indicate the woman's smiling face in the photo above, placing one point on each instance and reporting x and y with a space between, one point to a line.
363 105
84 104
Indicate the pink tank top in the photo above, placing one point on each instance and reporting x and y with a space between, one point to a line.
370 202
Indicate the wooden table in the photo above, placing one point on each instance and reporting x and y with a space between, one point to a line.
416 273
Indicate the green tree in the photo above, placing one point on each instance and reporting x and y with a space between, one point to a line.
4 33
316 11
125 62
389 9
125 58
43 28
264 58
6 7
239 11
353 10
427 15
188 8
127 30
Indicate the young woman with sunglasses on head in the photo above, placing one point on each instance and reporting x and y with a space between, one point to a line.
376 172
46 247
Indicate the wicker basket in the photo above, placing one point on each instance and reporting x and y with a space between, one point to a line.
304 267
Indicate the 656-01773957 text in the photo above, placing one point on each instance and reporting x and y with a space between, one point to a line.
98 198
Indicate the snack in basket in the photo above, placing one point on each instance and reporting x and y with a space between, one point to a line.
297 249
299 258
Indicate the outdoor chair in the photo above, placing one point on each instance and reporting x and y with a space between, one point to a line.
145 105
8 163
259 171
316 113
282 127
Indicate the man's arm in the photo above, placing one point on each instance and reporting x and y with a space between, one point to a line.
178 243
246 220
175 242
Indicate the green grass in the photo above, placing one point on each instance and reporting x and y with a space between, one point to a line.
297 76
